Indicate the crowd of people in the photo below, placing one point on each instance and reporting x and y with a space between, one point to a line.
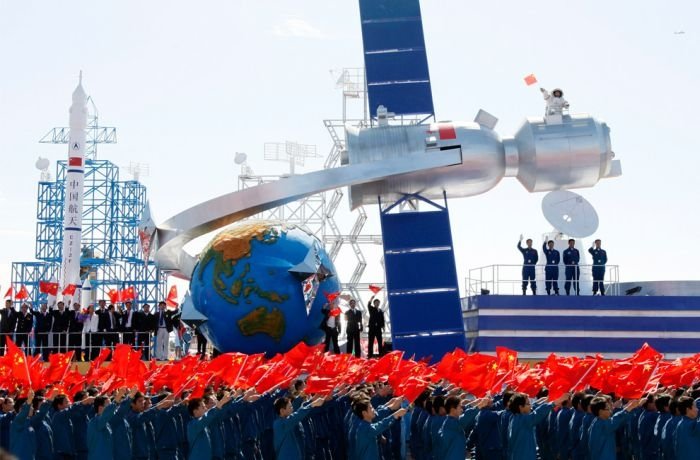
354 325
361 422
572 271
84 332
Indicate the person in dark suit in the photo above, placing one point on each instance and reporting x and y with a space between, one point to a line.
75 331
353 318
8 323
128 320
145 325
44 321
109 325
60 327
331 326
98 338
376 326
25 323
201 343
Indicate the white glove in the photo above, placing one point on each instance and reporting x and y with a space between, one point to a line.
521 237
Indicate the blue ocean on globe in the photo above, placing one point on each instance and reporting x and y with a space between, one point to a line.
250 283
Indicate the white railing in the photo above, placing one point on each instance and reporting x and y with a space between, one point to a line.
507 280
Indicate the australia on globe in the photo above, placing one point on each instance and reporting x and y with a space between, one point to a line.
261 285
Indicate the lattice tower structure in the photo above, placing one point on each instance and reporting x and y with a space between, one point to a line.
110 255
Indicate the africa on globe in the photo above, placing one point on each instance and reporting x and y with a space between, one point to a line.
261 285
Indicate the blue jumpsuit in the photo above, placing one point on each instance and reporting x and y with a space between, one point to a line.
648 447
198 435
600 258
572 272
521 433
285 440
365 440
452 440
99 435
687 439
529 261
551 270
43 433
22 437
601 441
667 437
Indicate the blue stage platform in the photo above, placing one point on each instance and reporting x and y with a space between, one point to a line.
613 325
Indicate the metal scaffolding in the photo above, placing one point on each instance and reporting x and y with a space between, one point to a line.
110 254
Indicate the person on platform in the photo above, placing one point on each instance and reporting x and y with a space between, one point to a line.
353 327
100 337
144 327
59 328
572 270
25 323
555 101
8 323
44 321
287 426
91 348
530 259
331 327
109 325
201 343
601 433
164 326
376 327
75 330
551 270
128 321
600 258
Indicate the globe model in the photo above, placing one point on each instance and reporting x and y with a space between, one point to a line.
261 285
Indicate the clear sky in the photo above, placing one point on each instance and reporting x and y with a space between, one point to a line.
189 83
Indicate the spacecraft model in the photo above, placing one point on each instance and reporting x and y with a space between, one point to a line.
387 160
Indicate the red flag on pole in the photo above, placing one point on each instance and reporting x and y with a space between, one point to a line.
530 79
69 290
374 288
113 295
47 287
171 301
335 312
9 293
22 294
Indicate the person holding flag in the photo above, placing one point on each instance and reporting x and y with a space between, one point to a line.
331 324
287 425
376 324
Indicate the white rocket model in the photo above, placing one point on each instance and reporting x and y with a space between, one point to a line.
73 204
85 294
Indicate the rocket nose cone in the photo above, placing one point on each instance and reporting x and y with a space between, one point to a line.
79 92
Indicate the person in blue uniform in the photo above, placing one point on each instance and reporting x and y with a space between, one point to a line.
22 436
99 432
530 258
572 271
687 435
601 433
668 432
284 428
551 270
364 442
600 258
452 444
198 428
521 428
42 429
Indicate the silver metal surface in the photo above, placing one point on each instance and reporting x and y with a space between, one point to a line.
174 233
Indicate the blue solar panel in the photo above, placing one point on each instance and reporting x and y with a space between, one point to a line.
395 58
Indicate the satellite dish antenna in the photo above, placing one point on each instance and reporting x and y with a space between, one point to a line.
570 213
42 164
240 158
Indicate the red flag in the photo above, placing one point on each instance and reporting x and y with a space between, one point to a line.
127 294
320 385
9 293
22 294
331 296
530 79
171 301
646 353
374 288
301 351
335 311
75 161
411 388
69 290
113 295
385 365
17 362
228 366
47 287
59 363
